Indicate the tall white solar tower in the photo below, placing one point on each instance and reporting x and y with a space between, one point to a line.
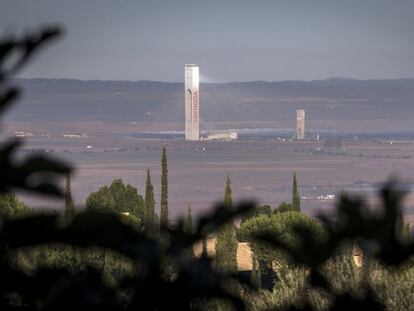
300 124
192 102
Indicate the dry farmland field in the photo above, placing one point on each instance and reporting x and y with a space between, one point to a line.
259 170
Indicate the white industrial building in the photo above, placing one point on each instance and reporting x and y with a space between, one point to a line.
192 102
232 135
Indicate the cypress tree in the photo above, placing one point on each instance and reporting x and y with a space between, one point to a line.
226 246
156 224
69 204
149 219
164 188
228 198
295 194
188 225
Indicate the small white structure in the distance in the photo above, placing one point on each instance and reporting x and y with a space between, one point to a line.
232 135
192 102
326 197
23 134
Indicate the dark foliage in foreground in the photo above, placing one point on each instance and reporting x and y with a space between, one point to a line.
149 287
35 173
163 276
379 233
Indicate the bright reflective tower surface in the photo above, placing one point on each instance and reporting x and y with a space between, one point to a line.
192 102
300 124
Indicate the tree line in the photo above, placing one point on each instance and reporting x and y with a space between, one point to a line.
126 200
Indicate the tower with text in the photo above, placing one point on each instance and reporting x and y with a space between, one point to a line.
300 124
192 102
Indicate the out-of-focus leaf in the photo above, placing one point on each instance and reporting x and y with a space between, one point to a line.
221 215
35 173
348 302
27 47
8 98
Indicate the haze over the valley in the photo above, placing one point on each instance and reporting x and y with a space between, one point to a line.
94 97
378 102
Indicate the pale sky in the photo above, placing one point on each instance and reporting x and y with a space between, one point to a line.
231 40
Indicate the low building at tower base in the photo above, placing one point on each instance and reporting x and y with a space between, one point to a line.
226 136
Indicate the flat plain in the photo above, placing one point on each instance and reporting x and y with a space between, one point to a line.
64 116
259 170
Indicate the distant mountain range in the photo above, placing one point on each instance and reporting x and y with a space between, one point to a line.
149 101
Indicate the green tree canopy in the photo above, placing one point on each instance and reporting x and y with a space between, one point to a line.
101 200
11 207
119 197
258 210
279 224
226 247
127 199
284 207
